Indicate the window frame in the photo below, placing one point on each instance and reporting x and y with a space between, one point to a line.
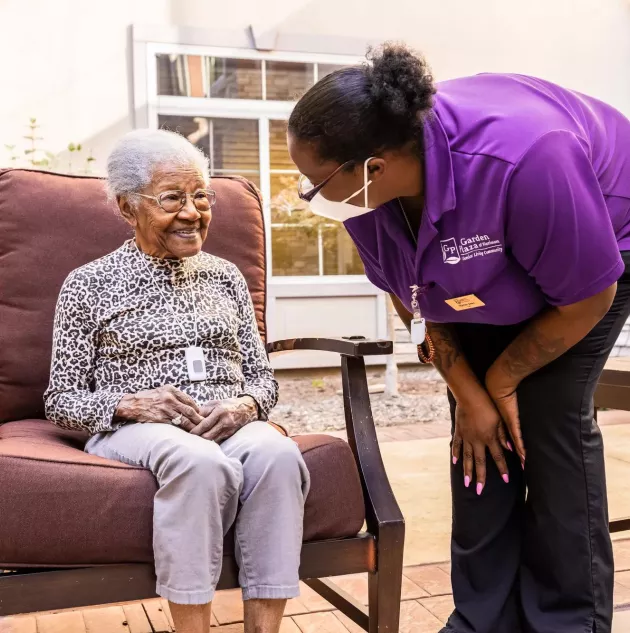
260 110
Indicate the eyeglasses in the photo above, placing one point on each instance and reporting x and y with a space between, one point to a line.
307 190
174 201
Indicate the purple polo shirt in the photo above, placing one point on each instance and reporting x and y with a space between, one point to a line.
527 203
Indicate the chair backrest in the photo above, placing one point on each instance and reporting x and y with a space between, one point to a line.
49 225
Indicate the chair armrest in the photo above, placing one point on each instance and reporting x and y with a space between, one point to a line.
383 515
382 511
351 346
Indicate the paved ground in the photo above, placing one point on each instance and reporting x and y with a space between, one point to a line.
417 462
426 605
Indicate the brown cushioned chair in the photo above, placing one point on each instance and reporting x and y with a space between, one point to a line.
75 529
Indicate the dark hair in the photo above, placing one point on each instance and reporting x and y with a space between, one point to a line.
357 112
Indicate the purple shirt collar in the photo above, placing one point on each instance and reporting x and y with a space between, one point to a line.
439 181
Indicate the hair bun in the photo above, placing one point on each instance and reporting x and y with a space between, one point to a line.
401 81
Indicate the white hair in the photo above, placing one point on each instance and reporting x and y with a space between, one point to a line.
138 154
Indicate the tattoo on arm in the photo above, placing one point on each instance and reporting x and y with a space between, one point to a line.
530 351
447 350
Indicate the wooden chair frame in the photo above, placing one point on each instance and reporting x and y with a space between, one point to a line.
377 551
613 392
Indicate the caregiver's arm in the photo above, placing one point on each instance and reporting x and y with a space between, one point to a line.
558 229
546 338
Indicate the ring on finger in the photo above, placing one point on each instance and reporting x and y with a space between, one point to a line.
177 421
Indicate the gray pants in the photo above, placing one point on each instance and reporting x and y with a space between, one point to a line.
201 485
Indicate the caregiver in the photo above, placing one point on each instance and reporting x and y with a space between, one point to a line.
496 207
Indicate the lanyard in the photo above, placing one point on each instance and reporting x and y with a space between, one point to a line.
415 289
402 210
418 332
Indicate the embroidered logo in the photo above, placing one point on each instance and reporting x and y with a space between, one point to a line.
454 252
450 252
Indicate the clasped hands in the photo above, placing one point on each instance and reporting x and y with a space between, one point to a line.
216 420
482 417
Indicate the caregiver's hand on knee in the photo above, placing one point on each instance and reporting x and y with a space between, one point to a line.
548 336
503 394
223 418
478 425
161 405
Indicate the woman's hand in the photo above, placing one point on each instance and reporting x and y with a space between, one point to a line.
160 405
478 426
546 337
503 394
223 418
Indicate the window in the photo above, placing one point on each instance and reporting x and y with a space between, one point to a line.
210 77
235 109
302 243
232 145
286 81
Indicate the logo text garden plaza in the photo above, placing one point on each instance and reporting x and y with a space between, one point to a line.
454 252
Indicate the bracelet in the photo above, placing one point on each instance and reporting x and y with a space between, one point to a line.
426 358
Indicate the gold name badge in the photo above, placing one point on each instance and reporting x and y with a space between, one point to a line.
465 303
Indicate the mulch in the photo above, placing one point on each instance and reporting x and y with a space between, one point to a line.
312 403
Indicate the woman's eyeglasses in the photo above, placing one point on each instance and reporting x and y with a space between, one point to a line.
174 201
307 190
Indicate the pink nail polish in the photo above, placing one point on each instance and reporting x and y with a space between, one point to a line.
479 488
506 479
466 481
454 460
510 447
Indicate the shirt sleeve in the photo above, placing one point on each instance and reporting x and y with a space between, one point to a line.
375 277
69 401
558 226
372 271
260 383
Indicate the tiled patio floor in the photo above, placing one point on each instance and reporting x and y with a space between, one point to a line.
414 456
426 595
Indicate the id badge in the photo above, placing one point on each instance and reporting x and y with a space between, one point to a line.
418 330
196 364
467 302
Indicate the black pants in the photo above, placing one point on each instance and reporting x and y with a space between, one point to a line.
535 556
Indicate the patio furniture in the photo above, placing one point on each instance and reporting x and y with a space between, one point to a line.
76 529
613 392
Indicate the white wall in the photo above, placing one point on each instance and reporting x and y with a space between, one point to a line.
583 44
67 62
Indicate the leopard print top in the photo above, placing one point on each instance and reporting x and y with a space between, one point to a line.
114 334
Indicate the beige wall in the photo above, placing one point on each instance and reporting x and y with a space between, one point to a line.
583 44
67 62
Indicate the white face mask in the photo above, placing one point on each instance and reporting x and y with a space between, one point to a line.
342 211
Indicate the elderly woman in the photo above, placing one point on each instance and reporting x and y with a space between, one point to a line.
157 355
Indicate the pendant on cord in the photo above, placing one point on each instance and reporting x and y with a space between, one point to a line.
196 364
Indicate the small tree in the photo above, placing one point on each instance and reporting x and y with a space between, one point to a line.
34 156
37 157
